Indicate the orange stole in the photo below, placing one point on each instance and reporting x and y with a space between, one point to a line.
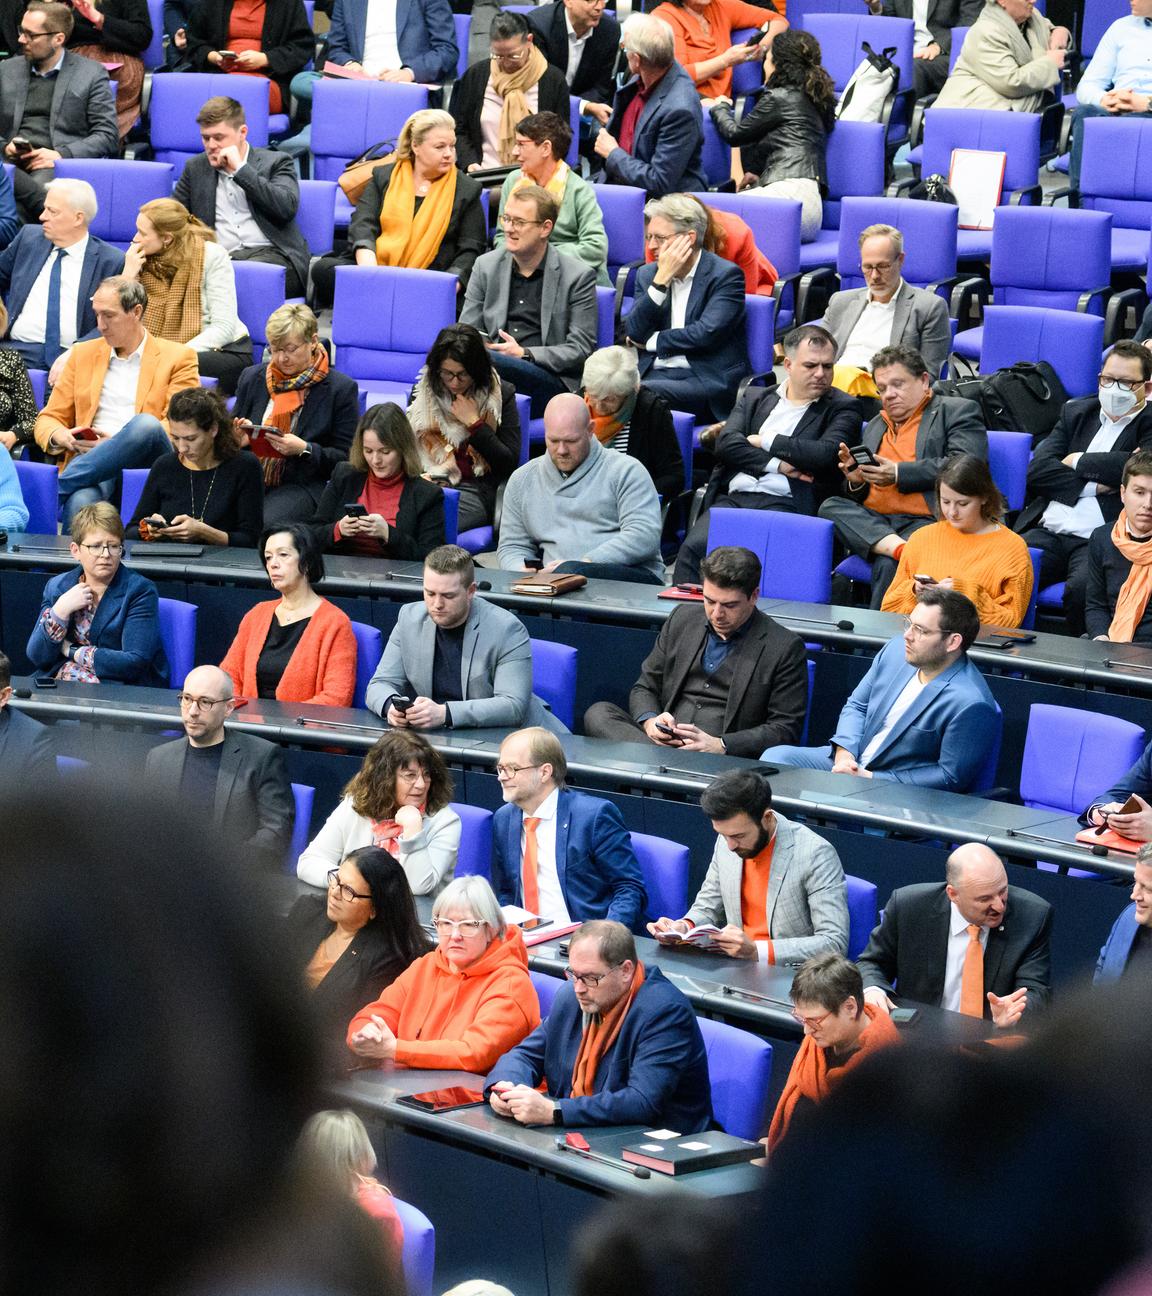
599 1038
899 444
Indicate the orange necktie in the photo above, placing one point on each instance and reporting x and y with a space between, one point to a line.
528 870
972 977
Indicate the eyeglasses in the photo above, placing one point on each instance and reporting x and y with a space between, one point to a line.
342 889
289 348
466 926
811 1022
515 224
411 776
589 979
877 267
112 550
450 376
658 240
201 704
510 771
31 35
1106 381
517 56
918 631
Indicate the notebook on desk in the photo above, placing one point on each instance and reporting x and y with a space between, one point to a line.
169 549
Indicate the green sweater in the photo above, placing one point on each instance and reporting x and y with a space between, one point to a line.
579 229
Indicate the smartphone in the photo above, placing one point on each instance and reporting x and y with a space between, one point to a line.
22 145
401 703
444 1100
689 588
533 564
862 455
157 524
45 683
905 1016
756 37
227 56
441 478
924 578
262 429
1131 806
534 924
664 729
355 511
86 434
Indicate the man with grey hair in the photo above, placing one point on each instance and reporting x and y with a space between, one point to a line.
687 318
60 263
654 139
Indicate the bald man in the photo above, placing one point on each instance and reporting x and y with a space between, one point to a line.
581 507
233 781
971 944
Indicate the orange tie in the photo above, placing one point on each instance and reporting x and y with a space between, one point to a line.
972 977
528 871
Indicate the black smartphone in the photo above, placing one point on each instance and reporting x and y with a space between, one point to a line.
756 37
355 511
157 524
21 145
664 729
533 564
45 683
441 479
444 1100
401 703
534 924
862 455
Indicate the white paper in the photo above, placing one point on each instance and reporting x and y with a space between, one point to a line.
651 1147
977 178
514 915
664 1135
695 1147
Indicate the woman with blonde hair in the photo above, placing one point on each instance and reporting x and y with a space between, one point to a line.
191 289
417 211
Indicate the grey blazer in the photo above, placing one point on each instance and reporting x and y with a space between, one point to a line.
950 426
920 321
82 123
495 669
568 309
807 897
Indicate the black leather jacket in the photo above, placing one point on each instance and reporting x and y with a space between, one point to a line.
788 132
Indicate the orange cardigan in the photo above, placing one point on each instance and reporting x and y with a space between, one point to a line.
459 1021
322 669
694 46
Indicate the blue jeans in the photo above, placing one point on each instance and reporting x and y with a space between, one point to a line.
801 757
92 477
529 380
610 571
1076 153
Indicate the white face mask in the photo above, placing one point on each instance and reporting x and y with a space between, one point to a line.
1116 401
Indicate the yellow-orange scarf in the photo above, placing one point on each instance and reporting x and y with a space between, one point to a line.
512 87
608 426
599 1038
555 185
408 239
1136 590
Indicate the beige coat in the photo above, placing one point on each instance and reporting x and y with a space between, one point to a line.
1000 67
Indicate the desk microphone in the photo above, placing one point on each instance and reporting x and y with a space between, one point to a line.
846 626
483 585
391 575
641 1172
22 693
1097 848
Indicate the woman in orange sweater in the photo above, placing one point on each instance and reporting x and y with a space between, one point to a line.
703 31
465 1004
300 648
968 550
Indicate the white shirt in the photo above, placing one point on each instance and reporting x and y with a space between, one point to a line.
235 225
547 878
576 46
781 422
381 53
908 694
921 36
681 290
954 964
873 331
1083 517
490 113
118 395
29 325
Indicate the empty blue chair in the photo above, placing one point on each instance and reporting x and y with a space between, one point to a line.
795 551
418 1257
622 207
378 329
861 913
1116 177
1093 752
739 1071
463 24
39 485
475 853
259 292
369 649
554 667
131 488
547 988
1071 343
855 163
451 514
178 637
316 215
664 865
178 96
1008 456
303 795
122 188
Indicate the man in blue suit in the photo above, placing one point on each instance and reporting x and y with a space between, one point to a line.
654 1069
687 318
564 855
1129 945
922 714
25 744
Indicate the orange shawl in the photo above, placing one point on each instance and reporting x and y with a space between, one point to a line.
599 1037
1135 592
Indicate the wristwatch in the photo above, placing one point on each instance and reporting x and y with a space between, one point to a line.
557 1115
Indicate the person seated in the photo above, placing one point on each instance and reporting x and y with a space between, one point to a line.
306 411
537 305
234 782
465 1004
191 289
1119 572
722 677
26 745
300 647
458 661
108 410
923 714
885 312
653 134
262 38
206 462
704 48
786 133
466 423
841 1030
969 550
1117 82
632 419
248 196
98 621
582 43
1107 811
419 211
775 889
1074 474
620 1046
55 100
1012 56
559 853
116 32
497 93
580 508
398 801
1125 952
731 238
395 513
910 440
687 317
18 407
932 35
61 248
778 448
542 143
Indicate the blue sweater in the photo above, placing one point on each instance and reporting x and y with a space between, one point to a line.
13 510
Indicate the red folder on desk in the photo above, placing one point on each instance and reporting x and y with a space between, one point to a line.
1113 840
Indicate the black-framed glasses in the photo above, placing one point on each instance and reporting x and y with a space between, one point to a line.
111 550
589 979
342 889
1129 384
31 35
517 223
201 704
510 771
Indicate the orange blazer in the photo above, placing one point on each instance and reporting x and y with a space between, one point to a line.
165 368
322 669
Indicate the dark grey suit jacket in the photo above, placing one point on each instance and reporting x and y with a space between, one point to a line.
26 758
269 182
82 123
943 15
253 810
920 321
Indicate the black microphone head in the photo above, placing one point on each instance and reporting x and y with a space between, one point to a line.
847 626
483 585
642 1172
561 1144
1099 849
22 693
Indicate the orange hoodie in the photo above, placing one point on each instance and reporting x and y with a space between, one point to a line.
459 1021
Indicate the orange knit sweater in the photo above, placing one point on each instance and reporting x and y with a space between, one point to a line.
322 669
993 570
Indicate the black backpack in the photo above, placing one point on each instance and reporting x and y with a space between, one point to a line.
934 188
1025 397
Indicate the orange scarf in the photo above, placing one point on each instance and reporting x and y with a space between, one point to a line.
555 185
386 834
1136 590
899 444
599 1037
810 1077
513 88
608 426
408 237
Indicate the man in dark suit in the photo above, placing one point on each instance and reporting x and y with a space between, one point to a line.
581 43
722 677
971 944
236 783
249 196
26 759
57 102
1074 476
778 448
561 854
687 318
932 39
61 248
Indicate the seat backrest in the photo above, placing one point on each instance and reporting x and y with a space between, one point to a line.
605 318
463 24
716 157
177 621
376 331
664 865
1008 456
1070 342
316 215
1094 752
842 36
475 853
854 159
958 34
547 987
39 485
1028 621
153 57
622 208
1015 134
760 322
684 425
1048 256
985 776
929 231
259 292
1097 17
349 117
861 913
739 1071
369 647
748 77
178 96
1116 170
303 795
418 1256
554 667
122 188
132 481
795 551
774 222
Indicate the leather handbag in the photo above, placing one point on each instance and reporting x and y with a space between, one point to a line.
355 176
